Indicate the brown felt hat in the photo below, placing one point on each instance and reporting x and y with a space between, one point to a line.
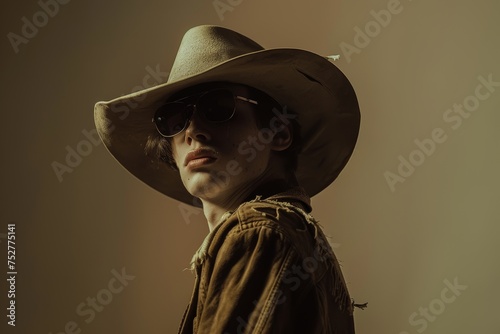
309 85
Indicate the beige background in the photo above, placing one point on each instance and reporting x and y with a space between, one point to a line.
397 247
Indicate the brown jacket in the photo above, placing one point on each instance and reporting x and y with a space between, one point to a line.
268 268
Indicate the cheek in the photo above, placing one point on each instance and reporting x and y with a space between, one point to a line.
250 154
175 152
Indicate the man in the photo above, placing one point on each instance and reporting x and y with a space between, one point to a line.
249 135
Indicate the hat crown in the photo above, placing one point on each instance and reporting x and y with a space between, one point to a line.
206 46
315 92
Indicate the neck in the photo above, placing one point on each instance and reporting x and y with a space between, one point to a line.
215 208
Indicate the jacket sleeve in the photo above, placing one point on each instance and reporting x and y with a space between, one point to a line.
242 283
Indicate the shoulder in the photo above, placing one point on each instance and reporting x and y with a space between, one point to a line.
273 212
268 219
266 213
255 223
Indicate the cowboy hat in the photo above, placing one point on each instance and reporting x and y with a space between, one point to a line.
307 84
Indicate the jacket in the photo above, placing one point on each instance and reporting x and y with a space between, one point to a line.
268 268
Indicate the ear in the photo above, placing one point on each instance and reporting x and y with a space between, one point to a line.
282 138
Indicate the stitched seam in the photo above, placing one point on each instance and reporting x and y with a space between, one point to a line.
339 288
270 303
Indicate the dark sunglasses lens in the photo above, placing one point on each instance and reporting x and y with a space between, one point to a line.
171 118
217 105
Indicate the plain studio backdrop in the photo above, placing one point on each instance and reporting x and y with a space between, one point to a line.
413 217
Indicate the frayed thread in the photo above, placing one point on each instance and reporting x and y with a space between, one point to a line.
360 306
202 253
323 249
288 207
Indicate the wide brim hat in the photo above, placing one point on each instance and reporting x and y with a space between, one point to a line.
306 84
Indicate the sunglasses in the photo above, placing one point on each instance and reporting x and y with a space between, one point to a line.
214 106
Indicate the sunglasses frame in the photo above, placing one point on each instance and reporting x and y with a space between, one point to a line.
194 108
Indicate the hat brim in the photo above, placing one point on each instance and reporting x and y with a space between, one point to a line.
310 87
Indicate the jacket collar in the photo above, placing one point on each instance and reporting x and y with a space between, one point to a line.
279 190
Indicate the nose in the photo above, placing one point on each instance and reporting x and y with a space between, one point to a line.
197 130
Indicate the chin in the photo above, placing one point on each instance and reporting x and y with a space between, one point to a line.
205 190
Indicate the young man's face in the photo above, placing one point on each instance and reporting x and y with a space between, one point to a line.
220 160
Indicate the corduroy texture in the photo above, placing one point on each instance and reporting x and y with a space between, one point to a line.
268 268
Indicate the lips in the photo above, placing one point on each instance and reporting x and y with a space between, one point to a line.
200 156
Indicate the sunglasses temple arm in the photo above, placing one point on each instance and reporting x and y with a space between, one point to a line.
247 100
